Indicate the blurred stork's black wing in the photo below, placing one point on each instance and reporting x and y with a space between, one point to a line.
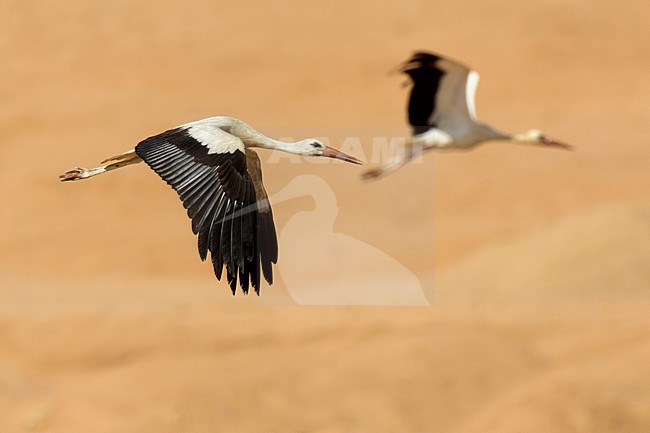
442 95
210 174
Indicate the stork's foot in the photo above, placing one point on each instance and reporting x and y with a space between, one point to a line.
372 174
76 173
124 159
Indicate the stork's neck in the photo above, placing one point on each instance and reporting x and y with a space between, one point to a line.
269 143
489 133
300 147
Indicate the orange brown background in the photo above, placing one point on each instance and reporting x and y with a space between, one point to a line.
110 323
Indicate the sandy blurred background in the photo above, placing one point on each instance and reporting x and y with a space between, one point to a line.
110 323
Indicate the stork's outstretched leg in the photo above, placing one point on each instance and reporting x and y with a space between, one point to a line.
124 159
388 167
409 152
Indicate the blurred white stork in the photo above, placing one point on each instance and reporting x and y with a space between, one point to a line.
442 115
218 177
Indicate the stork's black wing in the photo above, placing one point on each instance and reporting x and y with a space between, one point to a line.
216 188
439 96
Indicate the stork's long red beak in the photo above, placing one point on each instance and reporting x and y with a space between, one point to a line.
546 141
337 154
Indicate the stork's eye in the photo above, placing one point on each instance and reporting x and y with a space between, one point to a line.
317 145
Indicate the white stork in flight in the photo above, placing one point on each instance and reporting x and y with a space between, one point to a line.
442 115
218 177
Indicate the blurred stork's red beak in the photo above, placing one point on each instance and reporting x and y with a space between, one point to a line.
546 141
337 154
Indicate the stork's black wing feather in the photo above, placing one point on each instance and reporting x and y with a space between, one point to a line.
267 241
424 74
438 92
221 200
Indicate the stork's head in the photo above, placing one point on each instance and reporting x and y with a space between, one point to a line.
537 138
314 147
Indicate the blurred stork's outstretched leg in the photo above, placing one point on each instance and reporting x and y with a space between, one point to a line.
407 154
